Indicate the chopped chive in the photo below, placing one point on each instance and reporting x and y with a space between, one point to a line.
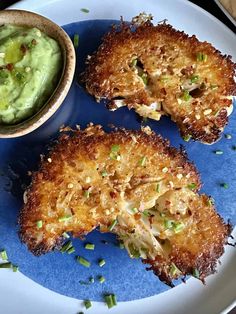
158 188
192 186
101 262
76 40
234 147
224 185
87 304
201 57
142 161
213 86
6 265
91 280
134 62
112 225
178 226
194 78
218 152
115 148
146 213
84 10
15 268
186 96
101 279
134 210
64 218
187 137
114 300
89 246
121 245
196 273
83 261
228 136
211 201
110 300
86 193
68 245
4 255
174 270
104 173
144 78
65 235
168 224
70 250
39 224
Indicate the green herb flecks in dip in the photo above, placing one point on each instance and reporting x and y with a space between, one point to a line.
30 65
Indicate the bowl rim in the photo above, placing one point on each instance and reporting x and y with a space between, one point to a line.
64 82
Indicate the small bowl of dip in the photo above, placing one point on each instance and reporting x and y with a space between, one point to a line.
37 64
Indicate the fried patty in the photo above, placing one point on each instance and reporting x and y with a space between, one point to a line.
157 70
131 183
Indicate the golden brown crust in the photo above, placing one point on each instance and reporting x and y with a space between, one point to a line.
170 61
91 182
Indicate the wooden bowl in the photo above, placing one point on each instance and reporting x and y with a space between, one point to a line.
30 19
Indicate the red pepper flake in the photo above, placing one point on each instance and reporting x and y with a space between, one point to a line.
10 67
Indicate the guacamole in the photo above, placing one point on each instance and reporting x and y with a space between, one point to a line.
30 65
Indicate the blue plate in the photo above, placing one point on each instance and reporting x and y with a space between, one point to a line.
60 272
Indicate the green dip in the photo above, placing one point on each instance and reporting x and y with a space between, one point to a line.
30 67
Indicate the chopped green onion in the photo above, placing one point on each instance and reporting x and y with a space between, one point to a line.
186 96
4 255
134 62
174 270
114 300
89 246
178 226
101 279
70 250
201 57
104 173
86 193
112 225
39 224
194 78
196 273
142 161
225 185
144 78
218 152
84 10
228 136
134 210
6 265
15 268
81 313
158 188
115 148
87 304
211 201
192 186
76 40
83 261
101 262
65 235
91 280
68 245
187 137
64 218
